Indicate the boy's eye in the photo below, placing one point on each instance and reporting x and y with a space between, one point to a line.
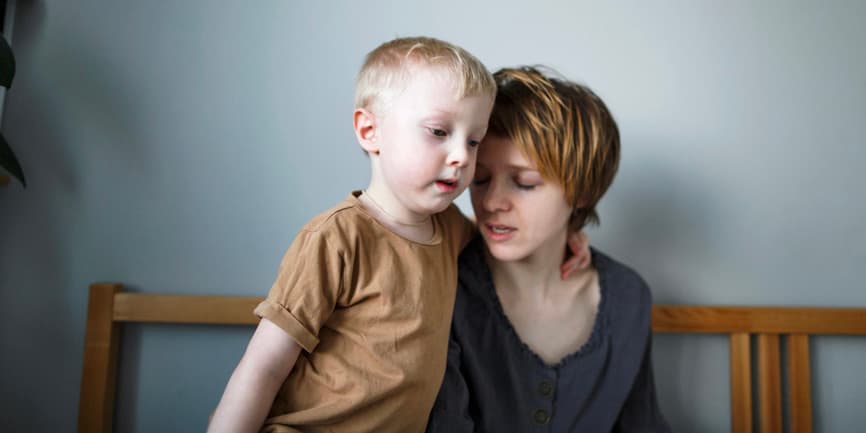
438 132
474 143
480 181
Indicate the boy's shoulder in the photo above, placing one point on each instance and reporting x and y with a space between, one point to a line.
343 215
339 229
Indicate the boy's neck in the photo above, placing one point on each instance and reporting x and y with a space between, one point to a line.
421 231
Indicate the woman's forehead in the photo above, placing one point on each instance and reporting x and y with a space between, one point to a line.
503 152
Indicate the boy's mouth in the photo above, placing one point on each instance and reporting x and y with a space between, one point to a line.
446 185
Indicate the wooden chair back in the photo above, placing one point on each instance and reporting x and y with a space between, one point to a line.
109 306
768 325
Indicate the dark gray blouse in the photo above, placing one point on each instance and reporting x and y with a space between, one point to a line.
495 383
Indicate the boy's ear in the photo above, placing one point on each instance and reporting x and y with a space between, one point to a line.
365 130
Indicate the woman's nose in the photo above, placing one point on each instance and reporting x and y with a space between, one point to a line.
496 197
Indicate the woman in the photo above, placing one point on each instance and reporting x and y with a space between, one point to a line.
530 351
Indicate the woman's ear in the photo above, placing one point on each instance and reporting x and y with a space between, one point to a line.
365 130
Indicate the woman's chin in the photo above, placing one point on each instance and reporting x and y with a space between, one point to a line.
505 253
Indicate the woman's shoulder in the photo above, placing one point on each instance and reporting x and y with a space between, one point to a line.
626 294
619 275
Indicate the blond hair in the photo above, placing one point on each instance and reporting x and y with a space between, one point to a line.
565 129
387 70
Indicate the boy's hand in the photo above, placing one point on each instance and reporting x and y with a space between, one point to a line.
578 256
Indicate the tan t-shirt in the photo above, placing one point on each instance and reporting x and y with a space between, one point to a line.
372 311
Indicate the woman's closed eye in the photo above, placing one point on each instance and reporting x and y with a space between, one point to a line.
527 180
478 181
524 186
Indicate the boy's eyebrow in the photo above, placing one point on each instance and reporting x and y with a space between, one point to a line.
446 112
439 112
450 114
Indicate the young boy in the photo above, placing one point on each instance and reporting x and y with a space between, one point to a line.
366 289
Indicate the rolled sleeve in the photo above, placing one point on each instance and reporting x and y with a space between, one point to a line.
281 317
306 289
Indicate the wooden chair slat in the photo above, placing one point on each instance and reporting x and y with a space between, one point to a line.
769 383
741 383
193 309
99 370
799 384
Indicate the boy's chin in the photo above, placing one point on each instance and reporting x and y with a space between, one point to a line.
436 209
439 206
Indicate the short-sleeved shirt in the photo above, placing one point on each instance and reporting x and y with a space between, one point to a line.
372 311
495 383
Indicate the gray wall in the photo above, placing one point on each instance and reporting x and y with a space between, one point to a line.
178 146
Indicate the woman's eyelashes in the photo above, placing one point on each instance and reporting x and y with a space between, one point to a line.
479 181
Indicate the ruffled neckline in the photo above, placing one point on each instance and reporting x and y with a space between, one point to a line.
599 327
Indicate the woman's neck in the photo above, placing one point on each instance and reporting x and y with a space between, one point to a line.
536 276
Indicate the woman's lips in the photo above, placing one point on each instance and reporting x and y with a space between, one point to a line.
499 232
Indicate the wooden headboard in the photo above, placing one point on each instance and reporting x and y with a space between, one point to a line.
109 306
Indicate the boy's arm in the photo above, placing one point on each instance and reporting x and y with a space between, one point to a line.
250 392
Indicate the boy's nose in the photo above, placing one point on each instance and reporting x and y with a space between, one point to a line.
458 156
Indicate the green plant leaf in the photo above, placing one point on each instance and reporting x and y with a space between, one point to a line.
10 162
7 64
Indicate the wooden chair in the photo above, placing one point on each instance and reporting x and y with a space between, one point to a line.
108 307
768 323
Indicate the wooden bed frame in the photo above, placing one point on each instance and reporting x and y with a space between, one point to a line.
109 306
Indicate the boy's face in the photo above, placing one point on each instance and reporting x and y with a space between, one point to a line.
427 139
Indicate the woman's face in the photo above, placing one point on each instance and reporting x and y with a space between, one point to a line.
519 213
